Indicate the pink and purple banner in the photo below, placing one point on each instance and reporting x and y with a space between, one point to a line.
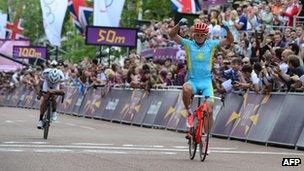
160 53
6 48
111 36
214 2
29 52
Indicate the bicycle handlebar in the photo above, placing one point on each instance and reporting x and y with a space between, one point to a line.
58 93
222 98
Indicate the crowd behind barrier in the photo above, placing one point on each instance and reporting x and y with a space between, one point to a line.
267 55
268 51
245 116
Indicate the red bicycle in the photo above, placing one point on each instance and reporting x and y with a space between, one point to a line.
199 133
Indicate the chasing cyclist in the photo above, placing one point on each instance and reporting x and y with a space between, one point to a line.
52 79
200 52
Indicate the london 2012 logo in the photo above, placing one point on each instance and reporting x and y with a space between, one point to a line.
109 3
49 14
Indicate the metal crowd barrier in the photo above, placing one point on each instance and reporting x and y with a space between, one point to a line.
273 119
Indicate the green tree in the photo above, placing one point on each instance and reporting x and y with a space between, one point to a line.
152 10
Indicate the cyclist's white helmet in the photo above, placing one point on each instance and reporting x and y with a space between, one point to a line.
55 76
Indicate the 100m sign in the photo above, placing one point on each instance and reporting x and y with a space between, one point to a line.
110 36
29 52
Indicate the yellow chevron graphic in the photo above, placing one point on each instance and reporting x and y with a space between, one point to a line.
265 99
254 119
170 111
245 99
184 113
97 104
144 95
28 98
233 117
256 107
125 108
69 101
137 108
246 129
15 97
87 104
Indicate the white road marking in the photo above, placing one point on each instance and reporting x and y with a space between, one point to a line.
169 153
92 144
11 150
211 148
105 151
180 147
152 146
257 152
164 150
70 124
87 127
9 121
16 142
90 147
52 150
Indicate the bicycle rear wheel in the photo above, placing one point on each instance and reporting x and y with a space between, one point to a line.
46 122
204 143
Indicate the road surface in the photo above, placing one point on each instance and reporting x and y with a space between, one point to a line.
87 144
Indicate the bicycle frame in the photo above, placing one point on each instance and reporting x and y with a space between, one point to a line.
202 115
200 126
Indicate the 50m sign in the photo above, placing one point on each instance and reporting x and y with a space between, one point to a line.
111 36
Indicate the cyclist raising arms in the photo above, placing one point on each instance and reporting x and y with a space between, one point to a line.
52 79
200 52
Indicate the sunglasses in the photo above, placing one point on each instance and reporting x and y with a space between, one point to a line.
200 34
246 62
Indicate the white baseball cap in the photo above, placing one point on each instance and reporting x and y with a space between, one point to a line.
54 62
302 79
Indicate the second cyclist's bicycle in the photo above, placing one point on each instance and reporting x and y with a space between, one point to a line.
47 115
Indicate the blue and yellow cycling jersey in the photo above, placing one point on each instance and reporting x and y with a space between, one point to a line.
199 63
199 58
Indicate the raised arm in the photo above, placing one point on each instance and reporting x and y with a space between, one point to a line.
229 39
174 32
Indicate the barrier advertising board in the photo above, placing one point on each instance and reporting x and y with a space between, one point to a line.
248 115
290 123
267 115
228 115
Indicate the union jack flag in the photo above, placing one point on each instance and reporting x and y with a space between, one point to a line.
80 12
186 6
14 30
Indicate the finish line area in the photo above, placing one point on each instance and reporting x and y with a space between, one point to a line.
76 143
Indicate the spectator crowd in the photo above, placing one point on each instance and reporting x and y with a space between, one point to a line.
266 56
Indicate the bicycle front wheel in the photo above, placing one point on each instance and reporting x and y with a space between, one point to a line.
46 129
204 143
192 144
46 122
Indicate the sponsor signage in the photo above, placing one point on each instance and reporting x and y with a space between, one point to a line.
111 36
29 52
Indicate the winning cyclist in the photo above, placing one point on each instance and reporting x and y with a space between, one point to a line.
200 51
52 79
